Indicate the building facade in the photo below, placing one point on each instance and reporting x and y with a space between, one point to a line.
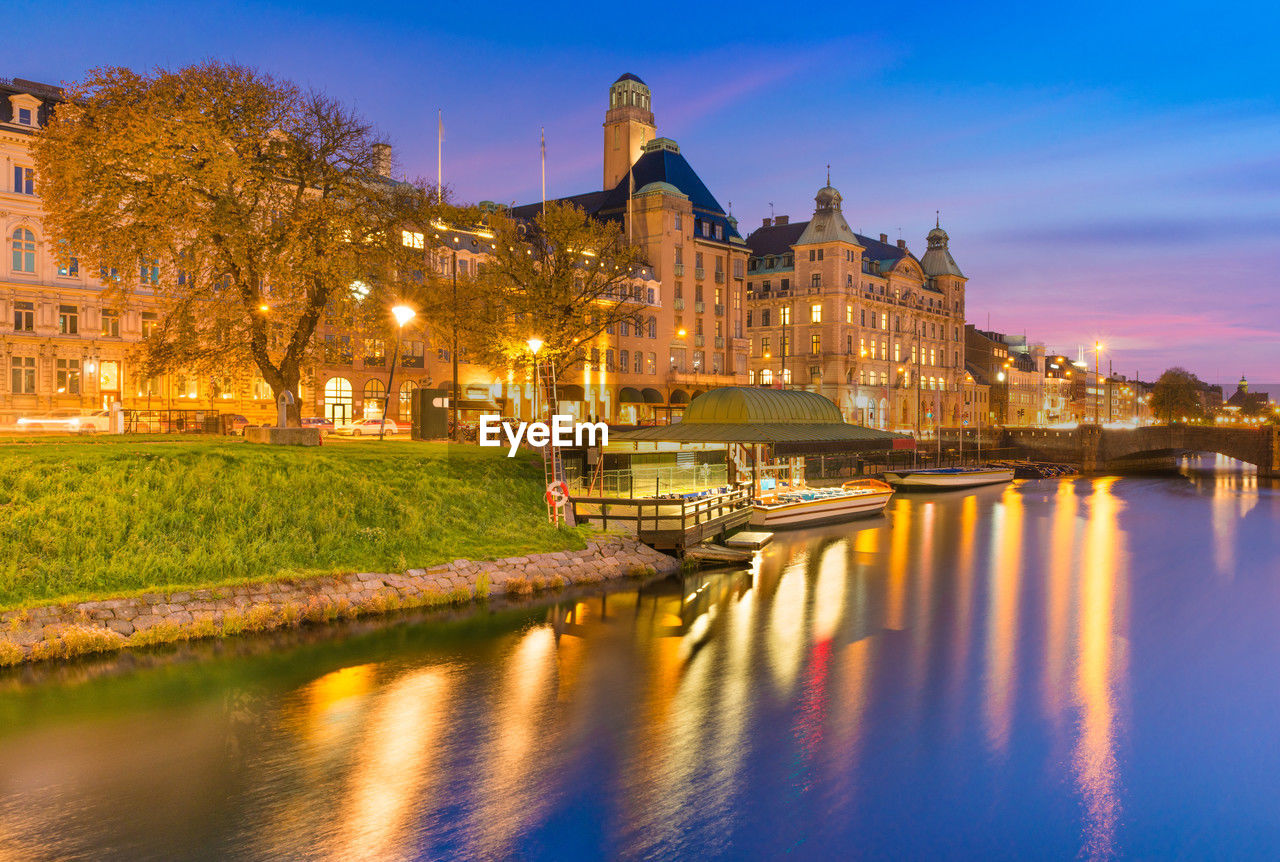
693 335
68 343
861 321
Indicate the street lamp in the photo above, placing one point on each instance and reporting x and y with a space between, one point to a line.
403 314
535 344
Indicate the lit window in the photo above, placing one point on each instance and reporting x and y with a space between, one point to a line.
412 239
766 377
150 320
784 316
815 313
68 376
110 323
815 344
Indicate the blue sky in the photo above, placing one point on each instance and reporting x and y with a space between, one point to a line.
1104 171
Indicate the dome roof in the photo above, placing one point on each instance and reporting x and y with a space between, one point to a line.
660 186
627 76
828 198
938 234
748 405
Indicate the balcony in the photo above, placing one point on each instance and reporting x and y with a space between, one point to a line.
719 276
679 269
719 311
720 342
699 273
699 340
678 304
699 306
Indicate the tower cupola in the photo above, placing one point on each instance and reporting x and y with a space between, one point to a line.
628 126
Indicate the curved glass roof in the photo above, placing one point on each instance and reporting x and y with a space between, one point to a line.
743 405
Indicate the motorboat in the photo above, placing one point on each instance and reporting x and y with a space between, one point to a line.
948 478
800 506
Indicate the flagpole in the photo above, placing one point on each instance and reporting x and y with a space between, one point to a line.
544 170
439 155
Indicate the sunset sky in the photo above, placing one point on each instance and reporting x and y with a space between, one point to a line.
1108 171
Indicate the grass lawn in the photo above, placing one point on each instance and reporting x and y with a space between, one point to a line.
90 518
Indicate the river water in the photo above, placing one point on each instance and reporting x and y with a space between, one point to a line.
1079 668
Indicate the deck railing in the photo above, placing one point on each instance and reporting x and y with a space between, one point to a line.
675 513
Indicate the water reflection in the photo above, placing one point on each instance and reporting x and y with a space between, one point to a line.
960 677
1099 674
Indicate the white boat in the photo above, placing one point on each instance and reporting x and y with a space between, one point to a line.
945 478
805 507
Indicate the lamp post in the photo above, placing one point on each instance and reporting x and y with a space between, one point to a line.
403 314
535 344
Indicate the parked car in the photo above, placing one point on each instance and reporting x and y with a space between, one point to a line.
67 420
366 428
317 422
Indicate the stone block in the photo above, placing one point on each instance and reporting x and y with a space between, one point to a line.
283 436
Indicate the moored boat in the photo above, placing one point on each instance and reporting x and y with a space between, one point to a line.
946 478
805 507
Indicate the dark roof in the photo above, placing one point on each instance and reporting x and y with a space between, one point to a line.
658 165
627 76
48 94
778 239
775 239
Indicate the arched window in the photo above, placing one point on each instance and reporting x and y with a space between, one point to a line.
375 392
337 400
24 250
406 399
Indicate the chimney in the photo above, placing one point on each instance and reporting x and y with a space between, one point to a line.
884 238
768 222
382 159
781 220
902 244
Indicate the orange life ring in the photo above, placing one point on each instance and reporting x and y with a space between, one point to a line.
557 493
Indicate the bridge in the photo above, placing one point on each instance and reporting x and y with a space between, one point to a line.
1098 449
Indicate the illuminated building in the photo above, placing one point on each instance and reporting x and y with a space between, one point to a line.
692 338
63 345
859 320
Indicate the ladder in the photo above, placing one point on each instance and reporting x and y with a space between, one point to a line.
552 467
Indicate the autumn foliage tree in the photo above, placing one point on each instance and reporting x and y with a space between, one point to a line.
249 206
565 278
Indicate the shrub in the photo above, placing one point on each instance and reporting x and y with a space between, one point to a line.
290 614
233 623
161 633
260 618
517 586
10 653
80 640
482 586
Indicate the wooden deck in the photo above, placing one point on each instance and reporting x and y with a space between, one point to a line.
667 523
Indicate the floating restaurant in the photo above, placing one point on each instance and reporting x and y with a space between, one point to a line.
680 484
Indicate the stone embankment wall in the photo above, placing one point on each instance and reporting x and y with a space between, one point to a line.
63 631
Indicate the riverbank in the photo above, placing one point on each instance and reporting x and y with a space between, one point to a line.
107 625
110 543
110 517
